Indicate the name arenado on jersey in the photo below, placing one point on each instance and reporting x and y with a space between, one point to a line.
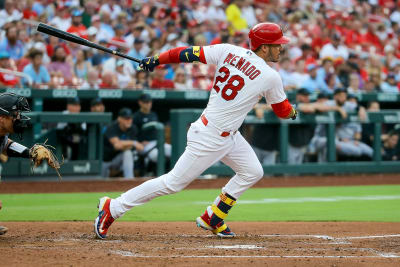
240 63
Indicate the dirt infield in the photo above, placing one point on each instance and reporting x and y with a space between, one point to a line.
183 244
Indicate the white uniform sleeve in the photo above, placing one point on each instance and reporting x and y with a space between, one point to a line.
273 92
214 53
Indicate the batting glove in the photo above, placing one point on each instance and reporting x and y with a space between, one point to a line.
293 114
149 63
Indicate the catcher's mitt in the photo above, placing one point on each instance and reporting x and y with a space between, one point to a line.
40 152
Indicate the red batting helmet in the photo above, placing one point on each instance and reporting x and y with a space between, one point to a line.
266 33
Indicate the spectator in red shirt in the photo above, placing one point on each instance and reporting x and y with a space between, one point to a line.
109 80
371 39
54 42
28 13
320 40
353 36
307 54
6 79
77 27
159 81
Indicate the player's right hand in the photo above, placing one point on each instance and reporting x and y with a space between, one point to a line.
294 114
149 63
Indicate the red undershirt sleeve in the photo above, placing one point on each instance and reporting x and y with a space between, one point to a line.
202 56
282 109
173 55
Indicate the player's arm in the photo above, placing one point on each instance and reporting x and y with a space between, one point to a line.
14 149
185 54
119 144
306 107
284 110
122 145
325 108
274 94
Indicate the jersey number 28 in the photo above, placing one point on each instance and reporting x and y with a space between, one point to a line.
234 84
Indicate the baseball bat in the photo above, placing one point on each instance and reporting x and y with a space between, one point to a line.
44 28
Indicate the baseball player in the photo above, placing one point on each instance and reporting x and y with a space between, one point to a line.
3 229
242 78
12 120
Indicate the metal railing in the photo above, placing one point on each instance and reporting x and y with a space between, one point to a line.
180 119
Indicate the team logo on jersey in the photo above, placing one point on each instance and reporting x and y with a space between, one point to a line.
196 51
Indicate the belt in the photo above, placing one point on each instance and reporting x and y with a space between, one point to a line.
205 122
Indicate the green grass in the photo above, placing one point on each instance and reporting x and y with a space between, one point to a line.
184 206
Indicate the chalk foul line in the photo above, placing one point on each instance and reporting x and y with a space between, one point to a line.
135 255
312 199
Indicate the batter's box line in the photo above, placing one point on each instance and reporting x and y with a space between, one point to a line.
369 236
134 255
324 237
332 240
327 237
381 253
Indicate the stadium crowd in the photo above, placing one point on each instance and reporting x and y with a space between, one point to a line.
351 44
337 47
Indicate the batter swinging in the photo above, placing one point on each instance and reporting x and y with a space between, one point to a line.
242 77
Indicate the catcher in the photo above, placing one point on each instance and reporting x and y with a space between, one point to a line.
12 120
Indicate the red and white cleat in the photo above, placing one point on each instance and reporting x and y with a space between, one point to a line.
221 230
104 220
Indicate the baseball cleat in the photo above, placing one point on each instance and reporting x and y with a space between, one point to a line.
104 220
3 230
227 233
202 224
222 230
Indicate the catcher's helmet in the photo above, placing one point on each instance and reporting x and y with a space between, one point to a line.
266 33
12 104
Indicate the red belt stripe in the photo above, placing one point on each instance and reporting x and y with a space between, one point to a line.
205 122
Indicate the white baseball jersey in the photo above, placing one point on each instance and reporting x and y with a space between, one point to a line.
241 79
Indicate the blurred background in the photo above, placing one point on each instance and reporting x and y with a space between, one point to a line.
341 68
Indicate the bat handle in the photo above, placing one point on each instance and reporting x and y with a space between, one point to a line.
126 56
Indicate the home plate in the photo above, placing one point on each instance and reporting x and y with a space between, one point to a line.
236 246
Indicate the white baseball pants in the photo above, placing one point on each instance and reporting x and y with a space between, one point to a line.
205 146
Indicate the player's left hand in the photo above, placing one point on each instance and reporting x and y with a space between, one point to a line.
149 63
40 152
